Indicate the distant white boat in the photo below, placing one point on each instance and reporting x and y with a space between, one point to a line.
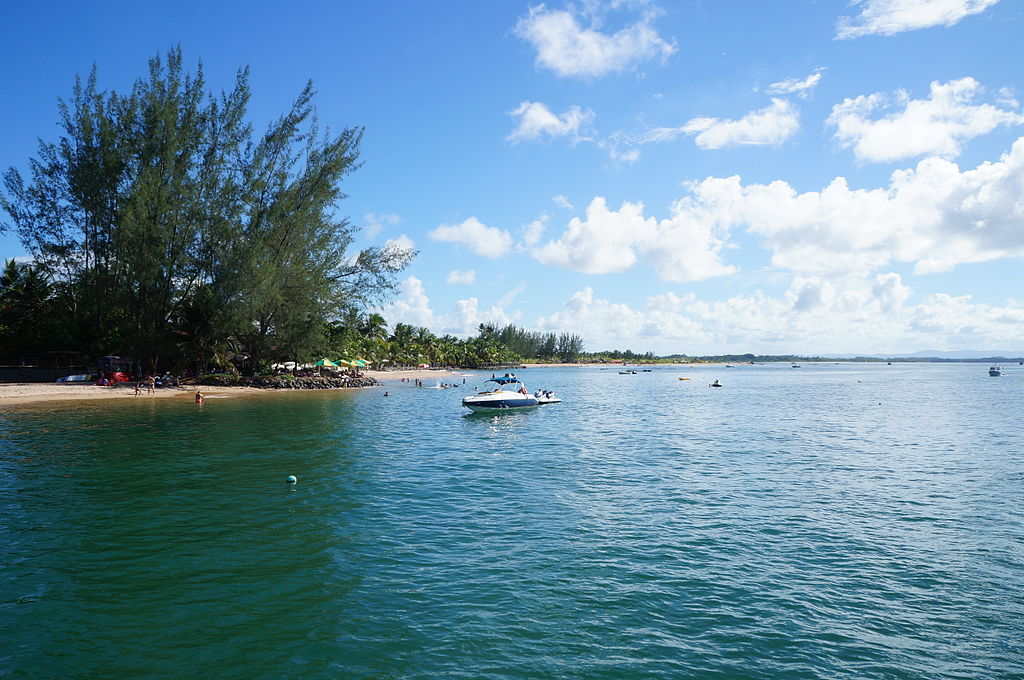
995 371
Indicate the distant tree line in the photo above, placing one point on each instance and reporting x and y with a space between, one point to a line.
161 227
564 347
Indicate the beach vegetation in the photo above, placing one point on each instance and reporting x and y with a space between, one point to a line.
162 227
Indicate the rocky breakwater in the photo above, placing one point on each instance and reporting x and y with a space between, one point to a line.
287 382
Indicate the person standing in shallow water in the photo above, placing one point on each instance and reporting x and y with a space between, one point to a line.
199 397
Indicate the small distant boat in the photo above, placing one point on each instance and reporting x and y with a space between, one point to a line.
645 370
510 394
728 365
627 372
684 378
995 371
715 384
795 366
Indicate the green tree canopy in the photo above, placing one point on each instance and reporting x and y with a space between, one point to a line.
161 202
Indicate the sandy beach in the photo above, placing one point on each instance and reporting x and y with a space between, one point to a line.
14 394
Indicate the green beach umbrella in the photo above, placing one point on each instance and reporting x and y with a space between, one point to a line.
326 362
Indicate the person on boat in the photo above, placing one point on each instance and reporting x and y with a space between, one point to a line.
716 383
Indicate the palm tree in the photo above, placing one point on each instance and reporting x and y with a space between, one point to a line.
374 326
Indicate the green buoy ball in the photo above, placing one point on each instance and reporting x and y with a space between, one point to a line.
291 479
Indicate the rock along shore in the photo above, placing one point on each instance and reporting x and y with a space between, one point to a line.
278 382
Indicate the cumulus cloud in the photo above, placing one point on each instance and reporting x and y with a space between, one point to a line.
457 277
478 237
889 17
571 50
795 85
938 125
935 216
531 233
812 316
682 247
402 242
771 125
536 121
412 306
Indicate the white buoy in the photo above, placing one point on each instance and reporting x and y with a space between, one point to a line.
291 479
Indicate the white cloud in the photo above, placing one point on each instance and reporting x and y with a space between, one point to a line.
478 237
506 299
812 316
531 233
771 125
412 306
889 17
464 278
562 202
935 216
571 50
801 87
376 223
679 248
938 125
402 242
536 120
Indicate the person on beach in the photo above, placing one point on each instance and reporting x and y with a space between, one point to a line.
150 384
199 397
138 388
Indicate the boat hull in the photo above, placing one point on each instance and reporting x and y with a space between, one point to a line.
499 405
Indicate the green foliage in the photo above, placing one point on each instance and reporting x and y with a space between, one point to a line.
27 323
167 231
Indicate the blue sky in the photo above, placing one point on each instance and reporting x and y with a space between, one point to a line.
698 177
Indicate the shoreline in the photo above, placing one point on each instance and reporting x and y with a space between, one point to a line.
27 393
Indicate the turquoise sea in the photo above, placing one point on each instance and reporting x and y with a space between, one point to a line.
833 521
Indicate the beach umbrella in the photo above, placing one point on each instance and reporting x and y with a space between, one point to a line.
360 362
326 362
346 362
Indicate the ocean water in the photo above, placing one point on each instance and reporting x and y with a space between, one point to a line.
833 521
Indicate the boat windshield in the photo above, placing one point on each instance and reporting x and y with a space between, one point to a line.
506 380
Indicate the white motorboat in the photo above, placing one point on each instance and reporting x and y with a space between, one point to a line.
546 397
995 371
510 394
